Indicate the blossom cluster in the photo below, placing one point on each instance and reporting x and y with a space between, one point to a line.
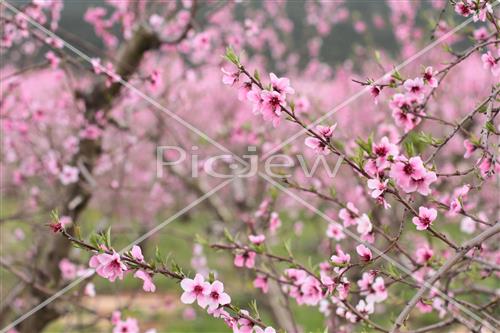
267 102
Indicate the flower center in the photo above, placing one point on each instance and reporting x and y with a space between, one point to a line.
274 101
381 151
198 289
408 169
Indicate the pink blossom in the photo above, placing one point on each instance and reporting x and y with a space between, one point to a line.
311 291
243 90
482 13
155 80
195 290
364 252
341 258
257 239
297 276
230 77
68 269
90 132
111 75
302 104
189 314
411 175
421 185
377 186
406 120
415 87
281 85
463 8
216 296
481 34
109 266
343 288
365 308
430 77
326 131
375 92
246 259
148 284
349 214
53 59
137 253
263 208
468 225
89 290
96 65
384 150
378 292
115 317
128 326
254 96
489 62
317 145
364 226
68 175
274 222
423 254
424 307
469 148
366 280
335 231
272 102
486 166
65 221
202 41
459 196
261 282
425 217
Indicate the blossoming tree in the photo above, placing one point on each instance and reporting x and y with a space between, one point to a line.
401 236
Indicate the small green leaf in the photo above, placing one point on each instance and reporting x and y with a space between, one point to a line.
107 238
228 236
231 56
253 308
490 127
288 247
256 75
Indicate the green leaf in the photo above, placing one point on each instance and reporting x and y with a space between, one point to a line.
228 236
95 240
211 277
490 127
253 308
256 75
200 240
231 56
176 268
107 238
365 145
158 259
409 148
288 247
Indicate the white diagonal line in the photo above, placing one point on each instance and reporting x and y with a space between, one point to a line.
126 84
376 250
91 272
367 88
